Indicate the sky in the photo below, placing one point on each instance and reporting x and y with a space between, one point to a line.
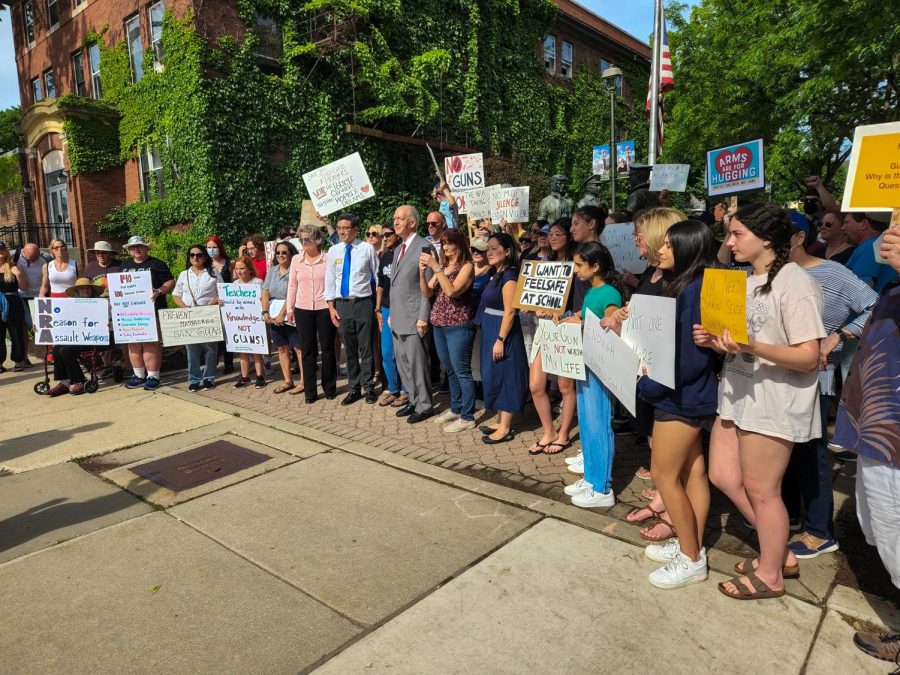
634 16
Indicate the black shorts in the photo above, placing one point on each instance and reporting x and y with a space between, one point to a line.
704 422
285 334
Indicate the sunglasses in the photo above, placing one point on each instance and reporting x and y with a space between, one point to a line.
432 222
282 252
60 248
198 255
373 234
304 242
476 251
388 233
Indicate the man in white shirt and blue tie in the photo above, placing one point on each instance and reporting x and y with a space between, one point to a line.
352 265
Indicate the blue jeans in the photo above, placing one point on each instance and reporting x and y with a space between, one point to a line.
388 362
202 356
454 348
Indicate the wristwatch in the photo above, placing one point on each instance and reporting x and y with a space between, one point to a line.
501 338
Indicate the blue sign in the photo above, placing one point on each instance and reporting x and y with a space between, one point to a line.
735 168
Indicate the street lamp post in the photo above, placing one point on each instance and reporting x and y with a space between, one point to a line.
609 78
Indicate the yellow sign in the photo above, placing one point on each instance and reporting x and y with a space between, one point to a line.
723 303
873 178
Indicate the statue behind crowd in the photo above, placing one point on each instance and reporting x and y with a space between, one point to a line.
591 192
639 195
556 205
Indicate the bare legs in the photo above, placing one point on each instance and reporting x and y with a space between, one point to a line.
284 359
537 382
146 355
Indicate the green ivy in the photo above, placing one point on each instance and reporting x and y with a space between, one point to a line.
10 174
92 134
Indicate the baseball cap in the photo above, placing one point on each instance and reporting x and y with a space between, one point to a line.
478 244
800 222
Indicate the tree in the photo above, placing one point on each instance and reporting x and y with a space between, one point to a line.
9 137
801 74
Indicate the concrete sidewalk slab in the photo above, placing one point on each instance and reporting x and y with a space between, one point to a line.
125 478
560 599
152 596
279 439
44 507
362 538
834 651
864 607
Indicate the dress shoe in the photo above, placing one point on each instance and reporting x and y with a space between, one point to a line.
330 397
419 416
312 399
351 398
485 429
490 441
406 410
370 397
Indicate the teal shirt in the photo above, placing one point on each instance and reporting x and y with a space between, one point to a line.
599 298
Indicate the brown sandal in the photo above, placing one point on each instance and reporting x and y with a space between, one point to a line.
761 590
281 388
653 515
746 567
401 401
386 399
663 521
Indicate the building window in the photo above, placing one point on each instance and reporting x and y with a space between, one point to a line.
52 13
94 60
151 173
77 3
36 89
604 65
550 54
28 17
135 47
156 26
78 73
565 59
49 84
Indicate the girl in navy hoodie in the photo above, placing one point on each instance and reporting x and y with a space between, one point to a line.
681 414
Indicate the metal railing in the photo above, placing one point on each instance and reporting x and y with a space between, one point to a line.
41 234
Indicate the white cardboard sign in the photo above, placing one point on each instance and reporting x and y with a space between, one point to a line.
245 330
650 332
464 172
561 349
478 203
510 204
133 311
190 325
71 321
613 361
671 177
338 185
619 239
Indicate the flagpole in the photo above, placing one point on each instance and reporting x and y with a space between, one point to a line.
654 83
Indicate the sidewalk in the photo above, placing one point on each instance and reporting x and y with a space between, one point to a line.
340 555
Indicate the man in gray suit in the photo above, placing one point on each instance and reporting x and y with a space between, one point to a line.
409 315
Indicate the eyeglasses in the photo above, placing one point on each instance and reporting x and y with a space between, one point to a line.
433 222
198 255
60 248
282 252
304 242
556 234
373 234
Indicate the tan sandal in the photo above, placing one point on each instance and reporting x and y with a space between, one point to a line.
761 590
296 391
281 388
746 567
659 521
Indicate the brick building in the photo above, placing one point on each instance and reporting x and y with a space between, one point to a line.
55 56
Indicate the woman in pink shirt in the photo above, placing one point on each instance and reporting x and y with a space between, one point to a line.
307 308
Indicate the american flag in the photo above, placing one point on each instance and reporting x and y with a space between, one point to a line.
666 79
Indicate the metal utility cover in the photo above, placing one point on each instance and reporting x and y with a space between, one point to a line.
197 466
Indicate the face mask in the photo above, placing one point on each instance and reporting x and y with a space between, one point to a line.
212 252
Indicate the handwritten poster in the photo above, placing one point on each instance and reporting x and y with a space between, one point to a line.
510 204
133 311
613 361
650 332
723 303
338 185
735 168
190 325
544 286
308 214
561 349
478 203
71 321
245 330
464 172
671 177
873 177
619 239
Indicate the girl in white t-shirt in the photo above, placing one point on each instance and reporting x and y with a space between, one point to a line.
245 273
768 392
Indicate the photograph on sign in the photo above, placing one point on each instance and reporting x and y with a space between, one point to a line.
561 349
611 360
619 239
723 303
671 177
544 286
133 309
650 331
245 330
735 168
873 175
71 321
190 325
601 158
338 185
464 172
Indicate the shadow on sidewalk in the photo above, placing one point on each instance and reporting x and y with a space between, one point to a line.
12 448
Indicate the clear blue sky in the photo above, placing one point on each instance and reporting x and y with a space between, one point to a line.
634 16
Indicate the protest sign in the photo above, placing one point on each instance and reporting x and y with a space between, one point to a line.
611 360
269 247
134 314
544 286
478 203
723 303
671 177
190 325
71 321
735 168
308 214
619 239
561 349
245 330
275 307
510 204
464 172
338 185
650 332
873 177
601 158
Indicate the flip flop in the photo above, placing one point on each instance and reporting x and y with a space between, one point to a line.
761 590
401 401
653 514
669 525
538 449
562 448
387 399
745 567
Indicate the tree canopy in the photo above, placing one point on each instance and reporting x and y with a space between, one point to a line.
9 137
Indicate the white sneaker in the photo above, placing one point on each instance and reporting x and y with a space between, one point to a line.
663 553
577 459
577 468
680 571
577 487
588 499
459 425
446 416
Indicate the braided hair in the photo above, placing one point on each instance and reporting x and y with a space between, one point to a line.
770 223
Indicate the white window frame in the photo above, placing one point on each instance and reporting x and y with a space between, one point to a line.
78 69
36 91
49 83
151 165
156 35
96 84
52 5
550 54
28 21
566 65
137 69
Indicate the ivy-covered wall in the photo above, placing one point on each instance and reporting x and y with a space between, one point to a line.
235 140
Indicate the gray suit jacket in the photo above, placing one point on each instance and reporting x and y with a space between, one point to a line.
408 305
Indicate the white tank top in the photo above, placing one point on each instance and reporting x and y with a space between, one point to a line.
60 281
